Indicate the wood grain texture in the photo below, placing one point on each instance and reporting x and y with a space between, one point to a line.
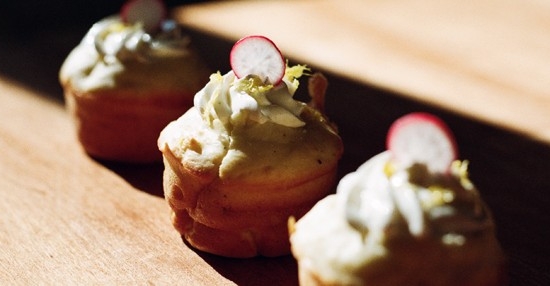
483 59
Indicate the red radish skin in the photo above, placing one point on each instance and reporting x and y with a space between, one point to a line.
150 13
257 55
422 138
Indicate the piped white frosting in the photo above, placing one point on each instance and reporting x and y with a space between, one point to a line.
229 101
115 54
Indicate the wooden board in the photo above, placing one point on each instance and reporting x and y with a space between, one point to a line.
484 59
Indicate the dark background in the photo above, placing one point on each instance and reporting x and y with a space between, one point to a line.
32 16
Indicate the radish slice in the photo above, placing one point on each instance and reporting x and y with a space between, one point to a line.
149 12
257 55
422 138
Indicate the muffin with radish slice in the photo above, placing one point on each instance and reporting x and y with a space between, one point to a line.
248 155
131 75
408 216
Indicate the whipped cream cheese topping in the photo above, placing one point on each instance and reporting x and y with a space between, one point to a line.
381 201
117 41
112 47
228 101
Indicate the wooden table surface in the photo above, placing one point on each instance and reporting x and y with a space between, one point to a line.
69 219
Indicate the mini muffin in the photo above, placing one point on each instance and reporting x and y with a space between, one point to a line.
131 75
246 157
408 216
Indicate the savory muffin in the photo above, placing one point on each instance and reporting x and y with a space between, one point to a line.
244 159
130 76
408 216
